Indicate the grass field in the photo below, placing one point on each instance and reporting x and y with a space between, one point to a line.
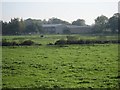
70 66
52 38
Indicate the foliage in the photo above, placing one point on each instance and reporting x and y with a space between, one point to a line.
11 27
18 26
14 43
6 43
27 42
62 42
72 38
53 38
106 25
113 22
56 21
79 22
100 24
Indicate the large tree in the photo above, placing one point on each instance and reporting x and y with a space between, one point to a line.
100 24
57 21
21 26
114 22
12 27
79 22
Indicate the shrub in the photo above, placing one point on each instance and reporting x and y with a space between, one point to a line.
38 44
13 43
42 36
6 43
50 44
81 42
60 42
27 42
72 38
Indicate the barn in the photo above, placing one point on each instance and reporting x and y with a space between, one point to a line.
53 28
59 28
74 29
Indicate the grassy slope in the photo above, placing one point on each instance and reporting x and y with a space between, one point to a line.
50 66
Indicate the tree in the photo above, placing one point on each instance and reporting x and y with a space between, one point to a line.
44 21
39 28
114 22
33 25
100 24
21 26
14 25
57 21
4 28
79 22
11 28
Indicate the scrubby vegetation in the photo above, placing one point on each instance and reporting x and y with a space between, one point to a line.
63 39
7 43
14 43
62 42
27 42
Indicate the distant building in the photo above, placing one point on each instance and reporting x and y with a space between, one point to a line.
59 28
79 29
53 28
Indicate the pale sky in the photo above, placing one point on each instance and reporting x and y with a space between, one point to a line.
62 9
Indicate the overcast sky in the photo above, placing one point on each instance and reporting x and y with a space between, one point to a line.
62 9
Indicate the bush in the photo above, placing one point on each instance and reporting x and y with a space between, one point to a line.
72 38
42 36
13 43
27 42
50 44
6 43
60 42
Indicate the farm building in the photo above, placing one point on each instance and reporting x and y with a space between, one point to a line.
53 28
59 28
79 29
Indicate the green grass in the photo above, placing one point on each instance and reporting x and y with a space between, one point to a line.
73 66
52 38
36 38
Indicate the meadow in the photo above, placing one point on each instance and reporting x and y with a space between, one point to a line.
69 66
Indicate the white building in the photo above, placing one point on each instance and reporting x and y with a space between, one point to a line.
59 28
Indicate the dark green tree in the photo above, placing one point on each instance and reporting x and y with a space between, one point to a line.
79 22
11 28
21 26
57 21
114 22
100 24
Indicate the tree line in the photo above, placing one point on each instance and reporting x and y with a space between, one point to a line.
18 26
104 24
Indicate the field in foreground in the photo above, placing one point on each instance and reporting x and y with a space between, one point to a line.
72 66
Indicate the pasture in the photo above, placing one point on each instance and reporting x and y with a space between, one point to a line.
53 38
69 66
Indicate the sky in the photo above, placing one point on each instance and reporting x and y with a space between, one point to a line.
63 9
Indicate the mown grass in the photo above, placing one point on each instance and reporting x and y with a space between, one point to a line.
71 66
